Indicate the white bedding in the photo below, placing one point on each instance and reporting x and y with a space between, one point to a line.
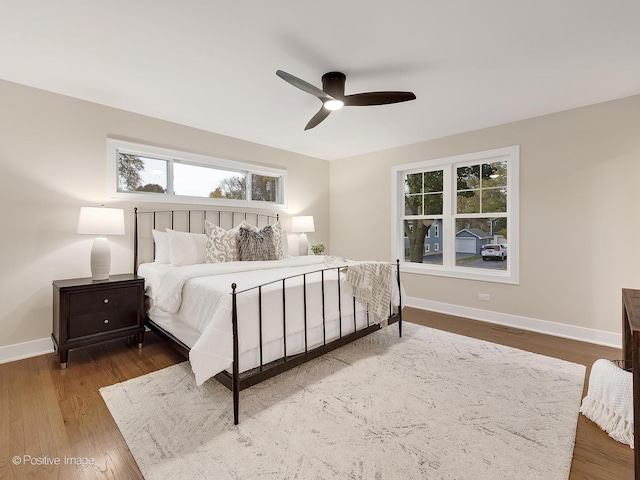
194 304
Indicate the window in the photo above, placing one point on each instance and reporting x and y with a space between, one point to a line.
153 174
446 209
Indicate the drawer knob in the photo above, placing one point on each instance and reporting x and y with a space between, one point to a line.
106 300
106 320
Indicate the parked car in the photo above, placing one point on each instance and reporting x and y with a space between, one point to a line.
494 250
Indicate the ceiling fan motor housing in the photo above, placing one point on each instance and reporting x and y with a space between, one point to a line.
333 84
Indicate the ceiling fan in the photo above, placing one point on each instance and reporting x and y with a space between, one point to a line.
333 98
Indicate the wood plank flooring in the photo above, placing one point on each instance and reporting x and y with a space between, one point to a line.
51 414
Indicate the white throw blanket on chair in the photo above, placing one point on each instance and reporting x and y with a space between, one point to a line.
609 400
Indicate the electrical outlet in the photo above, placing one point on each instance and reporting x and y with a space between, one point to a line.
484 297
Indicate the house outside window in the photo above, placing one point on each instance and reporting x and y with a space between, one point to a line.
153 174
466 201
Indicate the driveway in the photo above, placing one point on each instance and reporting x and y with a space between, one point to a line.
467 260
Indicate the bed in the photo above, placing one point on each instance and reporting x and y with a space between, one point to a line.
222 289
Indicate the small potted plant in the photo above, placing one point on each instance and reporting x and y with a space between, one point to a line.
317 249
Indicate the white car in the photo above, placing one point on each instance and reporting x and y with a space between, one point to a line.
494 250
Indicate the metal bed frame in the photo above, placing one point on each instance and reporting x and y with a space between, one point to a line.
235 380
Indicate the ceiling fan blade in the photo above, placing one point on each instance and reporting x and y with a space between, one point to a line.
317 118
377 98
304 86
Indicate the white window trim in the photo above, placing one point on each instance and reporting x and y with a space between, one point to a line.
449 269
114 147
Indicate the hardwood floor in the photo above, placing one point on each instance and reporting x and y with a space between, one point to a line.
54 414
59 415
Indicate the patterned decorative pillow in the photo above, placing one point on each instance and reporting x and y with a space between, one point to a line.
222 245
256 245
279 240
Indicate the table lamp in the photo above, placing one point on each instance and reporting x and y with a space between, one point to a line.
303 224
101 221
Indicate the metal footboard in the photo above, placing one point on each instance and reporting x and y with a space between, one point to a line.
236 381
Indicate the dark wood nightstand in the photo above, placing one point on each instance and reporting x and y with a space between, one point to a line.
86 312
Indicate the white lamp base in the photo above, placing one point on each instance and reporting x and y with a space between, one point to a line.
100 259
303 244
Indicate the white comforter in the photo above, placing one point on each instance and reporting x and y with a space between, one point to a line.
206 305
168 296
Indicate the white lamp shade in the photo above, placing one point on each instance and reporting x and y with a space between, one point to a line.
302 224
101 221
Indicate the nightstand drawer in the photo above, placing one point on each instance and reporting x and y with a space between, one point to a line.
99 322
103 300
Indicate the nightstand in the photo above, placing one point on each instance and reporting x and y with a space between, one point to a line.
86 312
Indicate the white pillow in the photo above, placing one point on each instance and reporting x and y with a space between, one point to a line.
161 240
186 248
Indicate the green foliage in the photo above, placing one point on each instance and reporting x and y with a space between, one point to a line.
151 187
317 249
482 188
423 196
264 188
129 168
231 187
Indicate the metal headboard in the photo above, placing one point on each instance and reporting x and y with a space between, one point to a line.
186 221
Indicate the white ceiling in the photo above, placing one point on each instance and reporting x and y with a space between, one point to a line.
211 64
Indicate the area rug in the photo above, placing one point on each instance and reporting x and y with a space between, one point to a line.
431 405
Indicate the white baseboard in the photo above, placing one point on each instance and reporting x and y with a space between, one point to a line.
11 353
43 346
572 332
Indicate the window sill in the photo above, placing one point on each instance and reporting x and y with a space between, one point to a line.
148 197
461 273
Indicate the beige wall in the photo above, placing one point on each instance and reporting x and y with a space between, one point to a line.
579 225
53 161
579 214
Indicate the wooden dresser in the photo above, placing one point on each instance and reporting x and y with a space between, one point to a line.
631 355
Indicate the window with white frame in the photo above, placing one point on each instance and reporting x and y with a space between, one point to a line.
470 203
153 174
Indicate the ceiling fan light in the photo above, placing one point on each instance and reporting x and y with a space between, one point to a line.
333 104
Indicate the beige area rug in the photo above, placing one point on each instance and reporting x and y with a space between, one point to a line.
432 405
